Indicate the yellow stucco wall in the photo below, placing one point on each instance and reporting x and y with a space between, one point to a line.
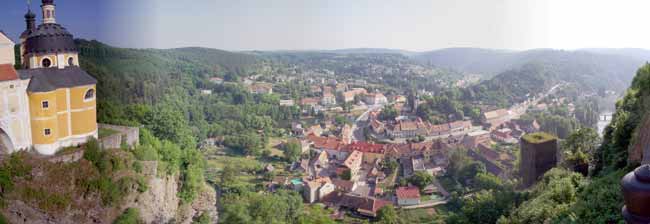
52 57
38 135
82 113
77 95
62 129
61 100
84 122
36 108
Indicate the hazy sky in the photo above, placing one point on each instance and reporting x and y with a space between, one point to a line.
333 24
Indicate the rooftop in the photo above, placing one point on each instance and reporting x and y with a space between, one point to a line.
407 192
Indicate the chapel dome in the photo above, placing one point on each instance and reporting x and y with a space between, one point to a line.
50 38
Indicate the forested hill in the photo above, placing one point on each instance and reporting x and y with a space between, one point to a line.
513 86
595 68
140 75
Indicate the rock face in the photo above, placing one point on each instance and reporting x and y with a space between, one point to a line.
158 204
641 147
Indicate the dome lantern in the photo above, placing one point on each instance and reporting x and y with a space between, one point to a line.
48 11
636 192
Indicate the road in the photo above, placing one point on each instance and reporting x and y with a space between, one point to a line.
519 109
357 132
426 205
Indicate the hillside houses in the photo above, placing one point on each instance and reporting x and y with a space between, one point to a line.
418 127
318 188
353 164
493 119
261 88
472 139
407 196
375 99
363 205
371 152
426 150
348 96
328 99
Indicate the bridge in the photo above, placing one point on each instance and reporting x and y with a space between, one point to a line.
605 117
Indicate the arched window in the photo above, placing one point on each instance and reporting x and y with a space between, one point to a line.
46 63
90 94
70 61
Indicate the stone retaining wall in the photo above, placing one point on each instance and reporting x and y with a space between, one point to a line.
130 135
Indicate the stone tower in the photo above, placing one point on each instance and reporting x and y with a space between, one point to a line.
538 155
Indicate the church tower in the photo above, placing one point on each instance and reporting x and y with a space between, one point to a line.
49 44
48 11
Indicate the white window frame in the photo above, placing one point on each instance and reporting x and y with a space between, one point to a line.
46 130
90 99
43 104
47 58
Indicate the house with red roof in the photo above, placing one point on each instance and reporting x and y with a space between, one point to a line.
366 206
371 152
353 163
407 196
411 150
333 146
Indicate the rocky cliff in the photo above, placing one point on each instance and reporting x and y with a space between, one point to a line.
160 203
44 192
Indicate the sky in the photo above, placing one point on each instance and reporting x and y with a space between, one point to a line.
416 25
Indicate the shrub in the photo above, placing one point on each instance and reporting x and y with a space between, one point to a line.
142 184
204 218
145 153
130 216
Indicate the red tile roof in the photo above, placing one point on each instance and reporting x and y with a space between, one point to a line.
308 101
362 204
353 160
326 142
7 72
366 147
407 192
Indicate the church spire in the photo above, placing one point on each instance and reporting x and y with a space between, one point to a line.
48 11
30 20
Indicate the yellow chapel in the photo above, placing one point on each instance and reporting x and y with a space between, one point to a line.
50 102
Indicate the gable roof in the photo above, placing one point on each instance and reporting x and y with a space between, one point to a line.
495 114
50 79
325 142
4 38
407 193
368 204
7 72
353 160
366 147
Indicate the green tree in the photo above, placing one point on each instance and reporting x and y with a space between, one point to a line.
388 113
580 147
388 215
346 175
470 171
421 179
292 151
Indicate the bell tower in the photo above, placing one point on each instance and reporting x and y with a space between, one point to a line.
48 11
